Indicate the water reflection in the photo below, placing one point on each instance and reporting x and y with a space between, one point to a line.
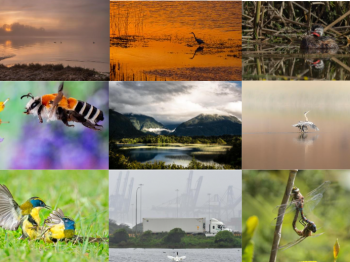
289 62
306 139
199 49
151 41
170 154
82 52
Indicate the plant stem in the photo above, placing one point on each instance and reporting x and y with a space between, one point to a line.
278 228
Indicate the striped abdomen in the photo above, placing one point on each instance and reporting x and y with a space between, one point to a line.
89 112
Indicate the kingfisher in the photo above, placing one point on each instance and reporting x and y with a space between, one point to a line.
25 216
59 227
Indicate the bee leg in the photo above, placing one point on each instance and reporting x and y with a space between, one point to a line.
39 113
63 116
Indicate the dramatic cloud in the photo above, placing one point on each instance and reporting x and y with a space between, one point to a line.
79 17
176 102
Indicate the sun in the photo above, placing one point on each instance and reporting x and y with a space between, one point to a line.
8 29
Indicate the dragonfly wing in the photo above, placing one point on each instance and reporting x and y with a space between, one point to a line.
317 235
318 190
311 203
287 208
291 244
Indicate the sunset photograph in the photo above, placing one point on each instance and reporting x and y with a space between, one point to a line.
175 41
54 40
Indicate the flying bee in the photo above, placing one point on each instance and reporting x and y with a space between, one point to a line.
58 107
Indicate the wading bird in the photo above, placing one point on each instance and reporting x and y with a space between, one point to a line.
199 41
303 125
177 258
25 216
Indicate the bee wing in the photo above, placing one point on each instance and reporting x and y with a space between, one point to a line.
57 100
10 212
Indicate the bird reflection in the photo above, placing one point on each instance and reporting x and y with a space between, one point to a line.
199 49
306 139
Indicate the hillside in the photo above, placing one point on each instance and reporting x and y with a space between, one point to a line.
121 126
210 125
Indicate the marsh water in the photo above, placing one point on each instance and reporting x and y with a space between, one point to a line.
172 153
289 62
271 142
153 41
81 52
160 255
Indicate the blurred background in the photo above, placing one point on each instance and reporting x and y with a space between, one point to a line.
271 142
28 144
264 190
81 194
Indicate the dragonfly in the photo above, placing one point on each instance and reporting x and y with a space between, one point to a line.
309 228
305 203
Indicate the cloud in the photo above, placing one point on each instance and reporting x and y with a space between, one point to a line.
175 102
19 29
78 17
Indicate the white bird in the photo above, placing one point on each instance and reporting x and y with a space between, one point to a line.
303 125
177 258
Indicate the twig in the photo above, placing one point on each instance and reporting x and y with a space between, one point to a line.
336 21
340 63
278 229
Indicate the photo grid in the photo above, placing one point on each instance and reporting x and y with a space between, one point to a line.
191 130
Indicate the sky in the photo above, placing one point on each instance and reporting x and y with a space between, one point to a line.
176 102
78 17
160 186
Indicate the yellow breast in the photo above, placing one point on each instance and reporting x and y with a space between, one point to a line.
30 230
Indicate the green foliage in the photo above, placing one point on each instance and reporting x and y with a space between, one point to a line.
113 226
232 159
119 161
146 235
119 236
174 236
150 240
264 190
248 244
168 139
76 193
224 237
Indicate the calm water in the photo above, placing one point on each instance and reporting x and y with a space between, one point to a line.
289 62
179 155
272 107
72 51
160 255
157 44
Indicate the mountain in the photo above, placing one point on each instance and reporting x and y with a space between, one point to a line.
121 127
147 124
210 125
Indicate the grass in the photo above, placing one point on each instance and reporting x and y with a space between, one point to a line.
82 195
58 72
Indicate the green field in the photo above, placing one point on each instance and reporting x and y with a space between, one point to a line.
82 195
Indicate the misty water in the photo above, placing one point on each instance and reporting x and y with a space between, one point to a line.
172 153
160 255
289 62
271 142
80 52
